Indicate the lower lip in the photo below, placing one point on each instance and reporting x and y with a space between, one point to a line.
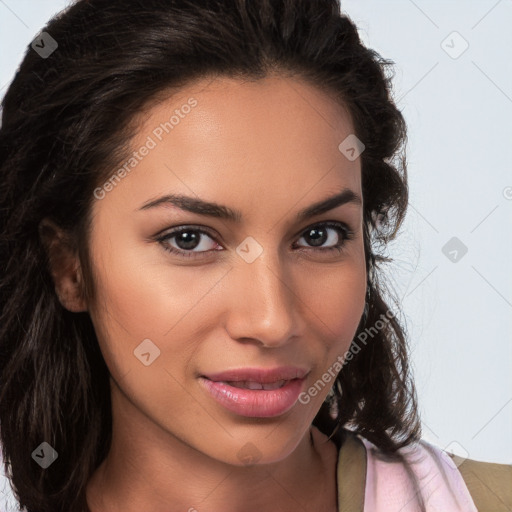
255 403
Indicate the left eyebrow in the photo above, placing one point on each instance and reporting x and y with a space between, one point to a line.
211 209
346 196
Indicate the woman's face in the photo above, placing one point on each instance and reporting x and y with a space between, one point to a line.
261 291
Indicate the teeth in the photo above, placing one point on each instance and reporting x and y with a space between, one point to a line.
247 384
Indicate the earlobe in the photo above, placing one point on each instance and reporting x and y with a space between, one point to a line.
64 266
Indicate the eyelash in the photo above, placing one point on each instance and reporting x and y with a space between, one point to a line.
346 232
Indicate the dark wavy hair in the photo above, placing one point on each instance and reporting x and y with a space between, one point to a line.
67 122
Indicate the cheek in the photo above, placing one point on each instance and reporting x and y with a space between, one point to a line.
337 300
142 297
140 291
135 300
341 300
144 318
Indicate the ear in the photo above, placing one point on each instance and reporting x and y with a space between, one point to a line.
64 266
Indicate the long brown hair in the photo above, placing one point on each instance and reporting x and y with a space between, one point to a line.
67 123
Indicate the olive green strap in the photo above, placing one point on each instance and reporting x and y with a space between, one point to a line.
351 474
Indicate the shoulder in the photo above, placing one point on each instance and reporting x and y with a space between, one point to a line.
490 484
424 475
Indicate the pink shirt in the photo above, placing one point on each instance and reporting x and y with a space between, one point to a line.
389 488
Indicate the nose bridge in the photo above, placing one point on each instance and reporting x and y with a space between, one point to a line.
264 306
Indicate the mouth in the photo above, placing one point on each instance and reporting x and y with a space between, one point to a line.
253 392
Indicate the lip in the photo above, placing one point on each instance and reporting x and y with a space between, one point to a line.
259 403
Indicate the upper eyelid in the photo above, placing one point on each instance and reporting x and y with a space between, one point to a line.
170 232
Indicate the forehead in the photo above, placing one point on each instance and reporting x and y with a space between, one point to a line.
268 139
264 107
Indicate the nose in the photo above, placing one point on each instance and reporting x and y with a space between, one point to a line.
264 305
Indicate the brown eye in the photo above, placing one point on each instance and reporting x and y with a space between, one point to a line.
186 240
334 234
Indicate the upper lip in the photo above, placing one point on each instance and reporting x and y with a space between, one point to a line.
261 375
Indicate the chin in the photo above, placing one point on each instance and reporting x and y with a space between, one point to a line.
257 444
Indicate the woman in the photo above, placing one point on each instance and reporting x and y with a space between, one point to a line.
193 194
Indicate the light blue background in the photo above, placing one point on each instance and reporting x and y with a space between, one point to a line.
459 315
